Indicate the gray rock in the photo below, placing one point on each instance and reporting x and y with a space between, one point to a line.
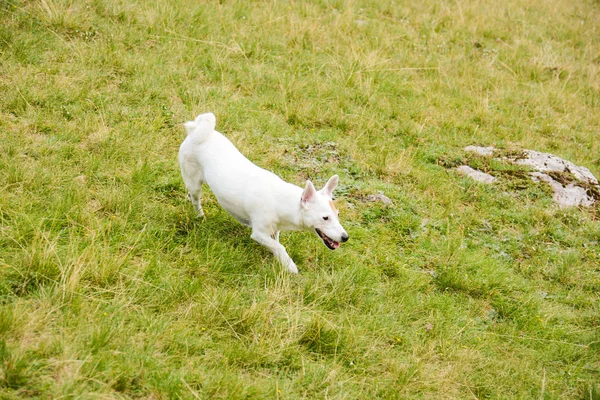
484 151
548 162
566 196
475 174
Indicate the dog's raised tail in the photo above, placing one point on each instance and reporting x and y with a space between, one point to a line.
201 127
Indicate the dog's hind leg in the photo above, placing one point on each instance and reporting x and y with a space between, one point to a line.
276 236
195 198
276 248
193 179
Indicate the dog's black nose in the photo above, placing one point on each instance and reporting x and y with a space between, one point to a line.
345 237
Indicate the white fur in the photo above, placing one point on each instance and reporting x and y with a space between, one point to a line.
254 196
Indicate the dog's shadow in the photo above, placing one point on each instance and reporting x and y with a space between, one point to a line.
233 249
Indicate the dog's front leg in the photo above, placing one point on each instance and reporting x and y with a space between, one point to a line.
275 236
276 248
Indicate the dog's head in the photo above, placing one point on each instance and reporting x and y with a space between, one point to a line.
319 213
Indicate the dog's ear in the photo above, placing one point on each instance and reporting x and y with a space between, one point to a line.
208 120
330 185
308 194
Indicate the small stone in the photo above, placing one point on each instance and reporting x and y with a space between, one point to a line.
432 273
383 198
475 174
484 151
379 197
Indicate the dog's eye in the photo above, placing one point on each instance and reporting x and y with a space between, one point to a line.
325 218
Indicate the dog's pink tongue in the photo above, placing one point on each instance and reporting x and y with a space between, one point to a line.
335 244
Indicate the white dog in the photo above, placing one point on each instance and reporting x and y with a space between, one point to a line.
254 196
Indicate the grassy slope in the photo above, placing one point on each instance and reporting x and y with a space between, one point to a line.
108 284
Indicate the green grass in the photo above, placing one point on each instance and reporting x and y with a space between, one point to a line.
110 288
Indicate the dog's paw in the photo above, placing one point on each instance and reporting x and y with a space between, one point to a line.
292 267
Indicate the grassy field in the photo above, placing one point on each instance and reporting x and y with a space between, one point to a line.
111 288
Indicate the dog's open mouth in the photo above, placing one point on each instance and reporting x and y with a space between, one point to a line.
331 244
